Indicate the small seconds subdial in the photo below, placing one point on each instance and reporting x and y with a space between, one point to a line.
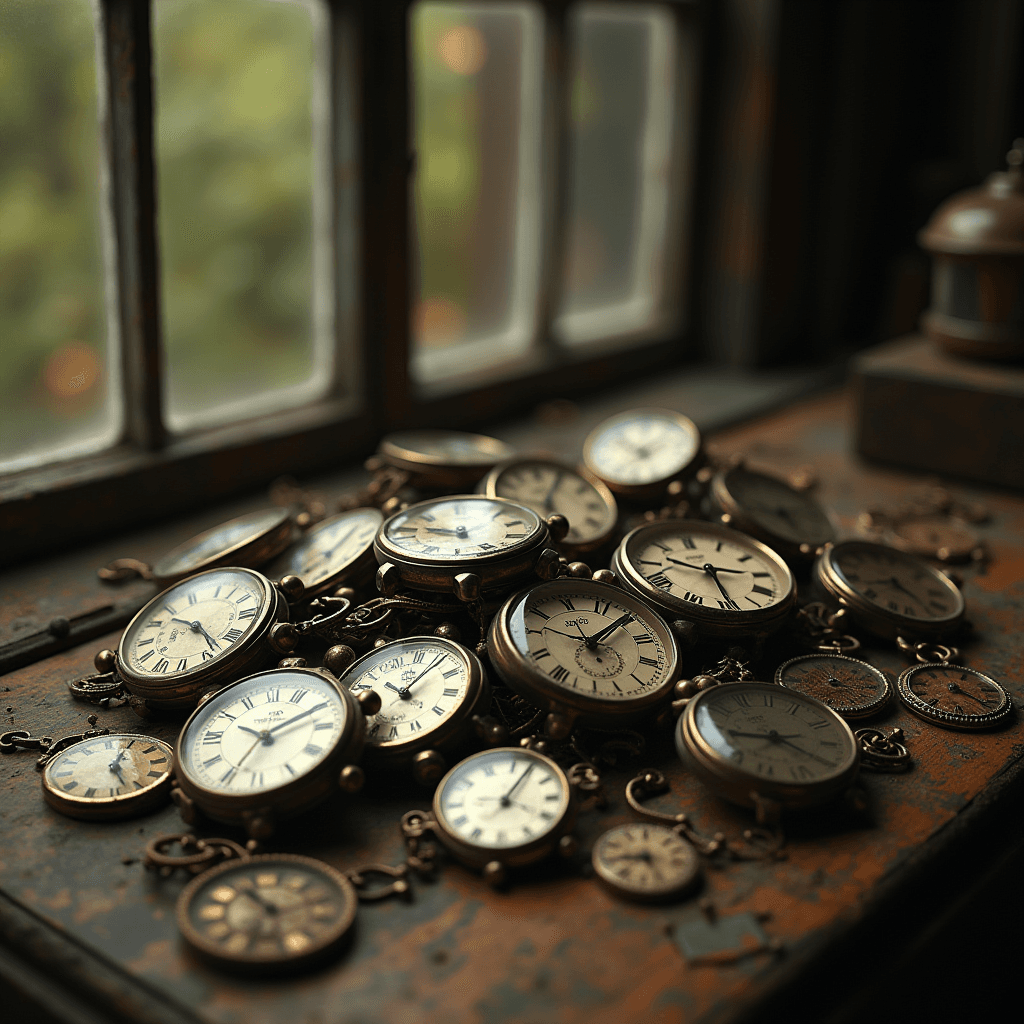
263 733
421 682
462 527
197 621
850 687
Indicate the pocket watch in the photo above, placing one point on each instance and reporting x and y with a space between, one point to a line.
270 746
638 453
336 552
430 690
646 862
889 592
465 543
197 634
769 509
548 487
267 913
953 696
725 582
118 775
503 808
753 742
449 459
850 687
250 540
585 651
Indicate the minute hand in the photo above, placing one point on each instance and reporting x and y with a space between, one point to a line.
593 641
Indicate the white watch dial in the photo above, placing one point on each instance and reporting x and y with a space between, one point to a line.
420 682
642 447
502 799
548 488
197 621
118 765
462 527
263 733
709 571
592 645
330 546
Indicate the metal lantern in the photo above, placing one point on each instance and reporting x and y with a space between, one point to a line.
976 238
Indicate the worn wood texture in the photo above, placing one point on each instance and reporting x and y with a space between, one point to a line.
554 947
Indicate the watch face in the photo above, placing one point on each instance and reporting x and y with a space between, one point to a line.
330 547
775 508
954 696
850 687
705 572
196 622
593 642
549 488
446 447
262 733
502 799
645 862
273 910
772 734
108 776
896 583
462 528
422 682
642 447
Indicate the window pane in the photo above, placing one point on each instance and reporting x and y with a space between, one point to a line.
477 79
621 171
238 149
55 361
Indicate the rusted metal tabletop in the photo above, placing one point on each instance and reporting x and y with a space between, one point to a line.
76 904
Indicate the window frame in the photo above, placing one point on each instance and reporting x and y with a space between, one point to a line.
150 473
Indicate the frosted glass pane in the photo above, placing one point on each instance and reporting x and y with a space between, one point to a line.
237 151
477 108
55 361
620 171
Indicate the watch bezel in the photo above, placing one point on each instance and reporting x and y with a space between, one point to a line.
850 714
866 613
949 719
512 856
517 670
607 877
712 621
395 450
297 795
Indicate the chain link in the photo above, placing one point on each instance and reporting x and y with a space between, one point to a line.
22 739
882 751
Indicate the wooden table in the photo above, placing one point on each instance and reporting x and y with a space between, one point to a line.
865 906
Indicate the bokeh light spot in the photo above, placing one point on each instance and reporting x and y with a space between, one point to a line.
72 370
462 49
439 321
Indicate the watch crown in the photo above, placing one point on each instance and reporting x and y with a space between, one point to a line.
467 586
558 526
388 579
427 767
369 702
351 778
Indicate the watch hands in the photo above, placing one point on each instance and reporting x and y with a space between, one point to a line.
770 735
548 503
460 531
262 733
241 760
593 641
398 690
704 568
197 627
710 569
892 582
569 635
506 800
268 907
953 688
437 661
281 725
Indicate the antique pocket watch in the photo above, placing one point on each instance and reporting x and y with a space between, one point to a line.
270 746
953 696
430 689
103 778
198 634
250 540
638 453
889 592
466 543
725 582
549 487
759 745
443 459
335 552
850 687
791 522
584 651
646 862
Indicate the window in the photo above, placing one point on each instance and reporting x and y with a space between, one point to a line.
286 226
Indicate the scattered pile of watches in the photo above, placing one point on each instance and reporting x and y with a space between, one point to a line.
480 619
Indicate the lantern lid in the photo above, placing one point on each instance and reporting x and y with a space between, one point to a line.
988 220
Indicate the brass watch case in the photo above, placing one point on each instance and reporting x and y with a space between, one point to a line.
293 798
269 531
400 451
173 691
657 890
452 732
733 513
513 856
489 485
518 672
948 719
714 622
732 783
504 569
865 613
